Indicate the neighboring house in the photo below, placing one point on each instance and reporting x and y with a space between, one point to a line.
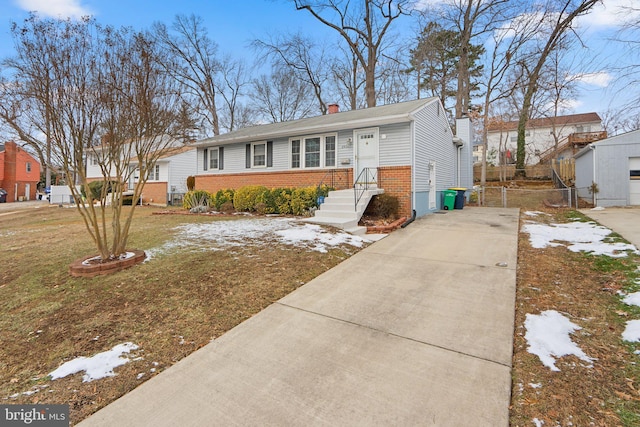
571 133
19 172
407 150
168 180
613 165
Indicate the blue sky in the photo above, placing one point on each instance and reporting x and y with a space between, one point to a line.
234 23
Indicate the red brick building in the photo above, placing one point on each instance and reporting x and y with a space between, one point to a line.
19 172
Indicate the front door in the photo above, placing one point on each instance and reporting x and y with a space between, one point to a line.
367 155
432 185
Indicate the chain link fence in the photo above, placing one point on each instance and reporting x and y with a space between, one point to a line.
508 197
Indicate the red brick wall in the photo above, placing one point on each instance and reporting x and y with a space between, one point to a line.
154 193
396 181
343 178
14 160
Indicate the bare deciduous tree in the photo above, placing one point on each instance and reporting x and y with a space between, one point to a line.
191 59
231 83
307 61
280 97
108 101
503 48
559 14
363 25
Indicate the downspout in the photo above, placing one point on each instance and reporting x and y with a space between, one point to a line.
413 170
592 147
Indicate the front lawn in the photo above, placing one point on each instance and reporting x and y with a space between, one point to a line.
205 274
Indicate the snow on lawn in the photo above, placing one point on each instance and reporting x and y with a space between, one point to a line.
219 235
548 338
580 236
98 366
632 331
632 299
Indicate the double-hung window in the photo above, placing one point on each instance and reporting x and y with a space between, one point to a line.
295 153
259 154
28 166
312 150
214 158
330 151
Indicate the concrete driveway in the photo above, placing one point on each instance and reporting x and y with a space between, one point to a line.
624 221
416 329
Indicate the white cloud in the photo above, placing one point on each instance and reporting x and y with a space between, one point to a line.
612 13
599 79
55 8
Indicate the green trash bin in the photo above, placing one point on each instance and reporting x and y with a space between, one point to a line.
449 199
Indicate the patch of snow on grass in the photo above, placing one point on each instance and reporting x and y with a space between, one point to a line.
580 236
537 422
632 331
548 338
534 213
632 299
219 235
98 366
318 237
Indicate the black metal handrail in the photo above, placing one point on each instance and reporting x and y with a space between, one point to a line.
367 178
331 174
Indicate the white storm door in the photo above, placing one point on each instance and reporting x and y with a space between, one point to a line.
634 180
367 153
432 185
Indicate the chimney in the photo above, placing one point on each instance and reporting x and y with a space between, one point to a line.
333 108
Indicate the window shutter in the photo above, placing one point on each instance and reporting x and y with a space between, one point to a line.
205 155
269 154
248 157
221 158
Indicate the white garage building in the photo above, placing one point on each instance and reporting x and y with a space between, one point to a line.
613 164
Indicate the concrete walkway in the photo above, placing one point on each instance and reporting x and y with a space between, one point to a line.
414 330
623 221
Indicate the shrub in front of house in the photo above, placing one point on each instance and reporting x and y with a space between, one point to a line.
280 200
384 206
96 188
303 199
221 198
196 198
246 198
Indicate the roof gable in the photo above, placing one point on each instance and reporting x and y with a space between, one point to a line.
386 114
546 122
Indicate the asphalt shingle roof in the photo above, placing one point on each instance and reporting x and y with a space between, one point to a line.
392 113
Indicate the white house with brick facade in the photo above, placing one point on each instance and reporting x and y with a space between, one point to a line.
407 150
168 180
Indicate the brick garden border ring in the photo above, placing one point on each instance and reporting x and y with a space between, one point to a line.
80 268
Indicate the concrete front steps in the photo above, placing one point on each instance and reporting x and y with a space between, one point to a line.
339 210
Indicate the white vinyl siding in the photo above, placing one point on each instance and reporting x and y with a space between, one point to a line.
612 165
395 144
433 143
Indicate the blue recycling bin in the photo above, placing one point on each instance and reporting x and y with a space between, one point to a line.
459 203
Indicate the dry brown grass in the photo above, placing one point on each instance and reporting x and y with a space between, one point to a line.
169 307
584 289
